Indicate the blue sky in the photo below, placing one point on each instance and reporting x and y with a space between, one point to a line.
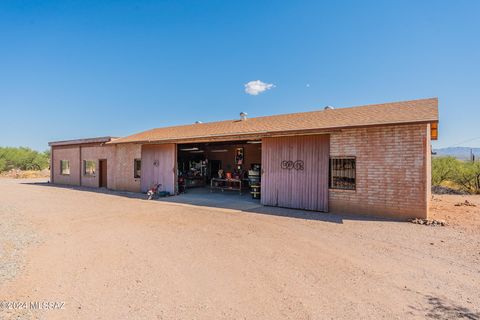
72 69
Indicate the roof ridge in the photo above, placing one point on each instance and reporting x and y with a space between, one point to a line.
349 107
295 113
407 111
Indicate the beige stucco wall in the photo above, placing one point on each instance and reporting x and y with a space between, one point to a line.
392 171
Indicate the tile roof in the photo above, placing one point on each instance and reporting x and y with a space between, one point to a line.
414 111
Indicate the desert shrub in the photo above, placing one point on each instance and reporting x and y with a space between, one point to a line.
22 158
463 174
444 169
3 165
467 176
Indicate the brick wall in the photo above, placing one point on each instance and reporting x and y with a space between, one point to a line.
95 153
392 171
72 154
120 163
125 155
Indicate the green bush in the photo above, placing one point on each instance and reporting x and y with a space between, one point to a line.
466 175
443 169
22 158
3 164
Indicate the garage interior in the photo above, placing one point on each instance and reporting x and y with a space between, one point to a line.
220 168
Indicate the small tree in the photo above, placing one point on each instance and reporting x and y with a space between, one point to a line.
443 169
468 177
22 158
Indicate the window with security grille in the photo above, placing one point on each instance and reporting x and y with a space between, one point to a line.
343 173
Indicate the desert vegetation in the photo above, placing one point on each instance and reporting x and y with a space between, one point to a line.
456 174
23 158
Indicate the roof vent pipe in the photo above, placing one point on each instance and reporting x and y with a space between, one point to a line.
329 108
243 116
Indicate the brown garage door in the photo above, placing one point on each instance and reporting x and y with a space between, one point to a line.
295 172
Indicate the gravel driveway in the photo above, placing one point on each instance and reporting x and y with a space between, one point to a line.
112 256
15 236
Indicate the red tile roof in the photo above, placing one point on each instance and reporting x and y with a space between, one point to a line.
414 111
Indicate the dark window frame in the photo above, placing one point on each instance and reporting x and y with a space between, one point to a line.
137 170
346 178
67 167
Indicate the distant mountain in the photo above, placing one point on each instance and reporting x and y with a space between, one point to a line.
462 153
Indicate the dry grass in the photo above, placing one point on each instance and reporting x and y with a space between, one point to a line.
25 174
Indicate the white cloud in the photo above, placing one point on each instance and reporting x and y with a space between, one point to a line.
256 87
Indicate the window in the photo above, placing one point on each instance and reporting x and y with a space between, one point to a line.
137 168
343 173
64 167
89 167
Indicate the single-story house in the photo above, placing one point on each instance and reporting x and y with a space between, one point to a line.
373 159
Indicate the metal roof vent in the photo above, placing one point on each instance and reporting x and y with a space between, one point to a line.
243 116
328 108
198 122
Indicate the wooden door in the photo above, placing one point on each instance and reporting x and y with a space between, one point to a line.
103 173
295 172
159 167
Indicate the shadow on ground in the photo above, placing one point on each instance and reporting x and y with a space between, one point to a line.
438 308
225 200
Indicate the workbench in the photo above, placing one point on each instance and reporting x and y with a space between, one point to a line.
226 184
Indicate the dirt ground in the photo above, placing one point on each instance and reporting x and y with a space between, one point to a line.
457 212
114 256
